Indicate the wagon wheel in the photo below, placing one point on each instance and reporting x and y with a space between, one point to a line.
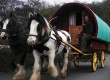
76 63
94 62
102 59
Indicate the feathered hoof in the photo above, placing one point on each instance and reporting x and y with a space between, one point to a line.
18 77
36 78
53 71
57 78
64 74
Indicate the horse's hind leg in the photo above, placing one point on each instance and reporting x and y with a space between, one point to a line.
51 66
65 65
37 68
21 70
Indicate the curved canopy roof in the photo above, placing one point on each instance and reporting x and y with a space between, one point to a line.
102 30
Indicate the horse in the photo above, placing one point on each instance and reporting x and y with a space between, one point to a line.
46 41
17 38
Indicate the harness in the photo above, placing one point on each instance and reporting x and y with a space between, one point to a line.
42 41
58 39
46 37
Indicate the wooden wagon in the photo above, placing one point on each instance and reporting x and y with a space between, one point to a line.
70 17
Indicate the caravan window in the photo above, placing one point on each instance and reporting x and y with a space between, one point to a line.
72 22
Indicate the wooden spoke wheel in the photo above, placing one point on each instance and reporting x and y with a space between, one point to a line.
76 63
94 62
102 59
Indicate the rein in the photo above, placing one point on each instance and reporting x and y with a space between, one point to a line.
3 30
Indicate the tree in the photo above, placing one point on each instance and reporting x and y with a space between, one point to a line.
102 10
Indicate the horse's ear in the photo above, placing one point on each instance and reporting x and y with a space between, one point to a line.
11 14
41 19
30 15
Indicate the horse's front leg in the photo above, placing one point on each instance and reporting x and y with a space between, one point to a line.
21 70
37 68
51 66
65 65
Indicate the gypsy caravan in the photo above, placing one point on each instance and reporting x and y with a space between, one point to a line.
70 17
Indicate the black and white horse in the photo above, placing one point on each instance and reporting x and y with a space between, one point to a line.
17 38
45 42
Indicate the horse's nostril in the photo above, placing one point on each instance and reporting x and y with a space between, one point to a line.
30 42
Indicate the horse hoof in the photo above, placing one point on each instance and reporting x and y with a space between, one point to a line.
35 78
18 77
63 75
57 78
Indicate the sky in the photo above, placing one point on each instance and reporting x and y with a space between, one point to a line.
52 2
66 1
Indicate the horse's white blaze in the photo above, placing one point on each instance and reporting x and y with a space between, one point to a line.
33 31
4 27
5 23
33 27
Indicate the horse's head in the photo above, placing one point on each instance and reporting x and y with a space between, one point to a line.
38 27
9 25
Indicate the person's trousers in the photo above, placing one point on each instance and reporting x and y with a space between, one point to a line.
84 42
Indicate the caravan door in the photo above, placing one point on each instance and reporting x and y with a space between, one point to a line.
75 26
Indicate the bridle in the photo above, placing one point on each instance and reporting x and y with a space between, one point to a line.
4 30
41 39
12 35
33 35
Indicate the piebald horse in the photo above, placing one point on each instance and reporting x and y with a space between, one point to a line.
17 38
47 42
